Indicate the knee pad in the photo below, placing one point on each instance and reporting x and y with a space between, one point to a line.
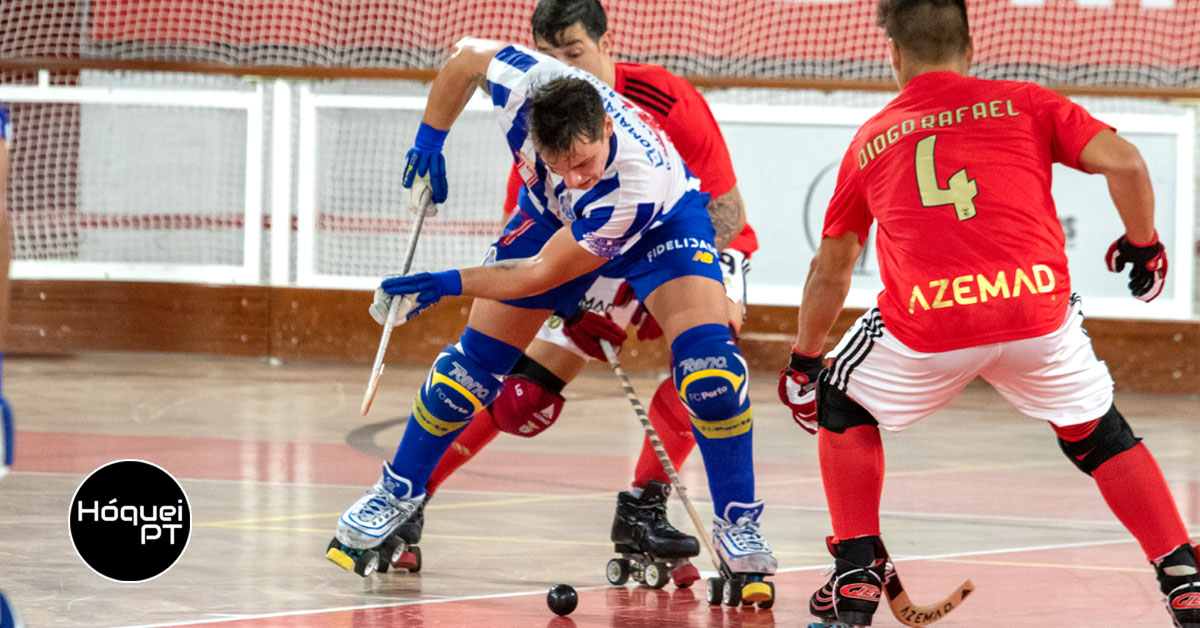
711 377
457 388
1111 436
837 412
530 401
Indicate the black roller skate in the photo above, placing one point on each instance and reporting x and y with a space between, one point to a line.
387 511
852 595
746 560
1180 584
652 551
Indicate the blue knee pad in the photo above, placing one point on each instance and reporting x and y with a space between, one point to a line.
464 379
711 377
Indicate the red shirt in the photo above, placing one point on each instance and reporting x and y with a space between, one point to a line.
957 171
684 114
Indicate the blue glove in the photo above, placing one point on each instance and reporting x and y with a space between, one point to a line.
418 291
425 170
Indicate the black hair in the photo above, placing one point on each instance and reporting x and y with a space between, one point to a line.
552 17
562 111
934 31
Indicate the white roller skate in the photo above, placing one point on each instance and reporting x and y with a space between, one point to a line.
746 559
380 530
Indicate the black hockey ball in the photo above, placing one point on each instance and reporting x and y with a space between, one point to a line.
562 599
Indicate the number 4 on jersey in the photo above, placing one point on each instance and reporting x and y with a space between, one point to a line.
961 191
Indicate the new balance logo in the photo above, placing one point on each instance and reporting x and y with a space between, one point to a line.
868 592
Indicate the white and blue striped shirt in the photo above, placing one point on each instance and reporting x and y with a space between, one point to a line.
644 179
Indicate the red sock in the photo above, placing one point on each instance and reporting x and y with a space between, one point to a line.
474 437
1134 488
674 427
852 471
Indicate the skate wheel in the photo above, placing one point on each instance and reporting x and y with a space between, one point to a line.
392 550
657 575
770 601
684 575
757 592
713 589
366 563
731 593
410 560
617 571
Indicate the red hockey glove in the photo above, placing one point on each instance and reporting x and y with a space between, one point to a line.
798 389
1149 272
586 329
647 327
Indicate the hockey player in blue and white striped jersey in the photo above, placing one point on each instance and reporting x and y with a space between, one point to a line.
604 188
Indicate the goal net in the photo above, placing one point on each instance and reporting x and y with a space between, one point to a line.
122 169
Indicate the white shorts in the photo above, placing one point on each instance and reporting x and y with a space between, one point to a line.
1055 377
599 298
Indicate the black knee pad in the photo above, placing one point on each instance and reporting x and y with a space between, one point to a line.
837 412
1111 437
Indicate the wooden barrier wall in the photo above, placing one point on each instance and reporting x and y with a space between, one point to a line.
62 317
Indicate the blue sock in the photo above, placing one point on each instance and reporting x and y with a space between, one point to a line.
464 379
711 377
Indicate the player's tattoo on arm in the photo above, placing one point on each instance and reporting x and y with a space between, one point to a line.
728 216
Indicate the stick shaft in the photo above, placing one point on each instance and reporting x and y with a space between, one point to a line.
656 443
393 311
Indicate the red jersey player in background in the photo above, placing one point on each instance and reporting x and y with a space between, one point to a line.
957 172
575 32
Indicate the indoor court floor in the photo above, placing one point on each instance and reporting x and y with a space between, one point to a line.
270 455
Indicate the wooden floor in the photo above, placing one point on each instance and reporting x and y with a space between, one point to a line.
270 455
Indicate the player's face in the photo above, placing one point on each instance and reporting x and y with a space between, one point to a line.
578 49
583 166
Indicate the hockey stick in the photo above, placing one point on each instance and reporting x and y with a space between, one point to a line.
652 435
394 310
911 614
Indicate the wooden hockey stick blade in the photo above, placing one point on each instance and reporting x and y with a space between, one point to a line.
911 614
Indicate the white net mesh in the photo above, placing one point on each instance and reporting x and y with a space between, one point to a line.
185 180
1151 42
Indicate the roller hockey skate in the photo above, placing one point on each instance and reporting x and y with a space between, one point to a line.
746 560
652 551
1180 584
381 529
852 595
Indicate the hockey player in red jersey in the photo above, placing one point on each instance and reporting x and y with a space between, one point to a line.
956 171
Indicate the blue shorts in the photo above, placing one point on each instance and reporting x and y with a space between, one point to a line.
681 247
524 237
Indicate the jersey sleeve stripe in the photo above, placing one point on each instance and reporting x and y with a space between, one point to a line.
642 101
632 91
666 98
516 59
519 130
499 94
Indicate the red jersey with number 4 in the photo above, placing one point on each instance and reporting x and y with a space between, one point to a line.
957 172
684 115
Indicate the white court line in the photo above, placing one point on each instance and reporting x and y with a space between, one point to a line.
706 574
